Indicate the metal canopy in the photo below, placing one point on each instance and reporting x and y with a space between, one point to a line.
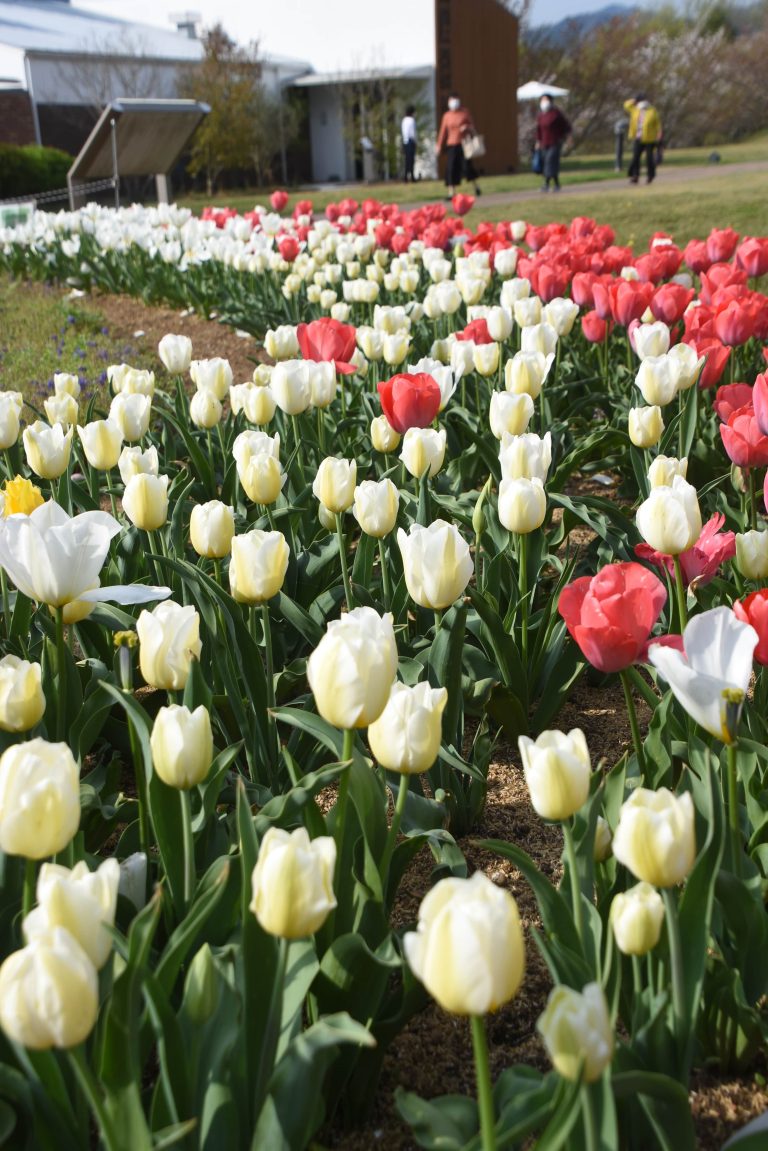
136 138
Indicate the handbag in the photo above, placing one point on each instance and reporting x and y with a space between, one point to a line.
473 146
537 162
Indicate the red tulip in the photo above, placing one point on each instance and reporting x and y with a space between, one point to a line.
550 281
696 256
582 286
734 324
409 400
595 328
670 301
325 340
716 358
302 208
278 199
721 244
729 398
745 444
760 401
477 332
289 248
611 615
462 204
754 610
752 255
701 562
720 276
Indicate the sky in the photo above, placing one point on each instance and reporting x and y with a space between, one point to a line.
330 35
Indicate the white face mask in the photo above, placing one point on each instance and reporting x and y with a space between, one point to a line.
454 104
545 105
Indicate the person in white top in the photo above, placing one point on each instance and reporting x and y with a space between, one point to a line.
408 132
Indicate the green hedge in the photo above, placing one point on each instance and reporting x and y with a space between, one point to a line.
28 170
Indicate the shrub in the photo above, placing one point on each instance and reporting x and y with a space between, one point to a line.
27 170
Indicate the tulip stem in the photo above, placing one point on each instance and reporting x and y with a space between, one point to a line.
634 726
733 807
682 609
570 857
297 445
752 499
591 1140
522 585
30 882
682 1040
484 1086
269 670
142 788
394 829
386 585
272 1029
61 693
343 863
6 603
92 1092
190 874
343 558
320 432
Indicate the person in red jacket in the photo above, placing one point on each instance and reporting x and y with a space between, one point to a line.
455 125
552 130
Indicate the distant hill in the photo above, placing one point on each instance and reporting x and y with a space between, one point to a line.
564 30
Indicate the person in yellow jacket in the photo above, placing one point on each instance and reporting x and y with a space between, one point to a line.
644 135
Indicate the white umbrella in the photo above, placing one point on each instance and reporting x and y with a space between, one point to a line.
534 90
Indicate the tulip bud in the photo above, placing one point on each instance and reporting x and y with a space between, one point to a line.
201 988
334 483
10 418
376 506
175 353
557 772
636 917
258 565
407 735
292 883
423 448
132 414
182 745
262 478
211 528
135 462
645 426
22 702
102 441
61 410
663 470
485 359
49 993
505 262
576 1030
514 290
522 505
133 878
525 457
39 798
384 438
145 501
510 413
601 849
47 449
437 563
81 901
395 348
670 519
214 375
326 518
205 409
169 639
351 670
752 554
655 837
136 382
281 343
468 948
371 343
65 383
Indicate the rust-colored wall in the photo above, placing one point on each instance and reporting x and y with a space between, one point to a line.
16 123
476 56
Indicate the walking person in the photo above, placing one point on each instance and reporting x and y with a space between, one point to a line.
408 133
645 134
455 125
552 130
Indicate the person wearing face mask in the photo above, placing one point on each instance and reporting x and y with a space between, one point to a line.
455 125
644 135
552 130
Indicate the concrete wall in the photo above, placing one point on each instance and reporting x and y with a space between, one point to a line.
95 80
330 150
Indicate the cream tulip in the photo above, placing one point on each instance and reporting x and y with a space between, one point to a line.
436 562
376 506
258 565
423 448
577 1033
49 993
510 413
47 449
500 322
292 883
407 735
182 745
395 348
384 438
134 462
145 501
262 478
468 947
651 340
211 528
670 519
11 404
560 314
525 457
752 554
557 772
663 470
522 505
513 290
539 338
352 669
22 701
645 426
259 405
205 409
636 917
102 442
175 353
61 409
66 383
132 413
657 380
213 375
485 359
81 901
527 311
655 836
281 343
505 262
686 364
39 798
137 382
334 483
291 387
526 373
169 639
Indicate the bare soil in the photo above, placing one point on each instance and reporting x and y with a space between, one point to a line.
433 1054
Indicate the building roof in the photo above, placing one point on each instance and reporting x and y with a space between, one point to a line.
55 26
318 79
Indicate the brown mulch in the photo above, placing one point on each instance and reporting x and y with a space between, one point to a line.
433 1054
